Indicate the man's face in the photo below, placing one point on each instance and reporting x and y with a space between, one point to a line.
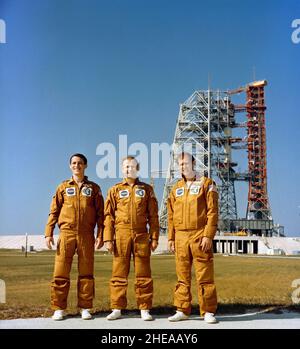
77 166
186 166
129 169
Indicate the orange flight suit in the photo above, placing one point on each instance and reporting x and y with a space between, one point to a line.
128 211
193 214
76 211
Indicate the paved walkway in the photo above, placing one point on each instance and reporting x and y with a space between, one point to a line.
257 320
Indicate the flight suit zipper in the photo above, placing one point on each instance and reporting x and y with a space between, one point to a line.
78 209
187 207
132 199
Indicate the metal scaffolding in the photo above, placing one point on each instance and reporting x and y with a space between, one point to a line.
204 128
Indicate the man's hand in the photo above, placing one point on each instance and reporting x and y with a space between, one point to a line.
206 244
109 246
98 243
153 245
171 244
49 242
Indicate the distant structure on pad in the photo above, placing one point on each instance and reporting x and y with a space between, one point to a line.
206 126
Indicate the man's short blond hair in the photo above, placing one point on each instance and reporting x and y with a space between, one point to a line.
184 154
131 157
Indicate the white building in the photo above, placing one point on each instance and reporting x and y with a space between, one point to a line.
222 244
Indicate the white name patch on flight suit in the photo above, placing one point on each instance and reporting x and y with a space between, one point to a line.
123 194
179 192
71 191
194 189
86 191
140 193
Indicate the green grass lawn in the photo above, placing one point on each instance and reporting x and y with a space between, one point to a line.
242 282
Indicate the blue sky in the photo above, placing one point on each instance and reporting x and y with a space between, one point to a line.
74 74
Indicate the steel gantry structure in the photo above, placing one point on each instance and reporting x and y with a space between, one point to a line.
205 127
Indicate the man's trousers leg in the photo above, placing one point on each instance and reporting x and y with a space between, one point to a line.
204 270
120 270
142 267
60 285
182 294
85 282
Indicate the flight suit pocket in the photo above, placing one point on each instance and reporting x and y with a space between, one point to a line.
141 215
87 201
67 214
138 202
193 213
181 249
123 212
199 254
121 248
65 247
140 206
178 212
142 249
142 246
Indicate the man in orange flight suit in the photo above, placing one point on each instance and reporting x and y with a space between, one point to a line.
130 206
192 225
77 207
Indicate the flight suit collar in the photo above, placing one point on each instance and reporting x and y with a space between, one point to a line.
197 178
71 180
137 181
